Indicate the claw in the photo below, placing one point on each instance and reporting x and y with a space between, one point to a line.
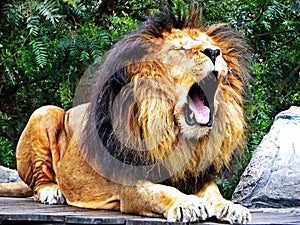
190 209
50 194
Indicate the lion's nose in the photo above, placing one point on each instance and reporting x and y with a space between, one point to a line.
212 54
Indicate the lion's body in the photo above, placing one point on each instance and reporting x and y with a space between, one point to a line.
165 114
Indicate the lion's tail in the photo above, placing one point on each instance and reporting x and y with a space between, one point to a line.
15 189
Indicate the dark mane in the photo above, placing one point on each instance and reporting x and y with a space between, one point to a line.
168 20
99 144
113 74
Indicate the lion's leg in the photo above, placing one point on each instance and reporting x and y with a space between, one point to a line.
151 199
38 153
223 209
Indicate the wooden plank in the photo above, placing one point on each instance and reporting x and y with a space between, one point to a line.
26 211
276 216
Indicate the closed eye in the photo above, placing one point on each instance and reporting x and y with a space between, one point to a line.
181 48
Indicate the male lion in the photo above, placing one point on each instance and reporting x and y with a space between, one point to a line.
165 115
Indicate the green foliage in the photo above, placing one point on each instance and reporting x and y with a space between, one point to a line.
40 52
7 153
86 48
7 147
225 186
32 16
121 25
64 93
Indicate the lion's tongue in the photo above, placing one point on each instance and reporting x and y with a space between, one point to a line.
200 110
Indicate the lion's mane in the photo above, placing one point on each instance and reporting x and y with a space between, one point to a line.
131 113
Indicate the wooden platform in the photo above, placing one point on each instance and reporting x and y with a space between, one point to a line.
26 211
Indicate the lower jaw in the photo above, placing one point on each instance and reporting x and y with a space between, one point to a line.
195 132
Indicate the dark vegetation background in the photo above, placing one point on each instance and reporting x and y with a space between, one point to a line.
46 46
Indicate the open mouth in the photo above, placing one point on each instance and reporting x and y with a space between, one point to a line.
200 103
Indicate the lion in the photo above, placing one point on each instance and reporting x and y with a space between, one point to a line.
165 116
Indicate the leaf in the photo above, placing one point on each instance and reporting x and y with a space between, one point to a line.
33 25
40 52
79 10
84 56
13 13
48 10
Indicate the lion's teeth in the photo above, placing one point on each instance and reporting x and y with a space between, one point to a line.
192 115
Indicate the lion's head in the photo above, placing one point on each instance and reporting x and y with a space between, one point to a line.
169 100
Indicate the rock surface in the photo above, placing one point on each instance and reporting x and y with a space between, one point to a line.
8 175
272 178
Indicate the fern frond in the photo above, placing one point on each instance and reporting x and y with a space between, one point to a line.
48 10
84 56
65 42
40 52
95 49
13 12
79 9
85 49
28 61
33 25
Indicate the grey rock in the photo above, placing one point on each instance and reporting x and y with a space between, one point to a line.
8 175
272 178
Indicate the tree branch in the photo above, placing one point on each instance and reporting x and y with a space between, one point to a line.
274 32
279 46
261 13
293 73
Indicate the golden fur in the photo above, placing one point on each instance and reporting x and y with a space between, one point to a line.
140 145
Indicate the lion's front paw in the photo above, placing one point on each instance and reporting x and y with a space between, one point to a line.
233 213
189 209
49 194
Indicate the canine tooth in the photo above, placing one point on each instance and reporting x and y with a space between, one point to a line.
192 115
